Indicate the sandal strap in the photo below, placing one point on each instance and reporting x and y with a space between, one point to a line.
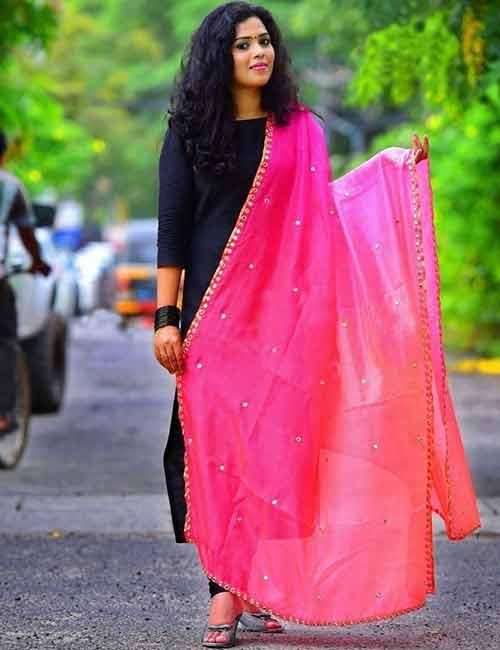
222 626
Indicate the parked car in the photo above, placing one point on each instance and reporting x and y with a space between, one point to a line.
64 274
43 311
95 264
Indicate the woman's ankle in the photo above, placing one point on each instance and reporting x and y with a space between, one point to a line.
225 604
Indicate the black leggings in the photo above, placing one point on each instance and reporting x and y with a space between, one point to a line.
173 463
214 588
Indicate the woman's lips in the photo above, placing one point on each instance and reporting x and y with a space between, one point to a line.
259 66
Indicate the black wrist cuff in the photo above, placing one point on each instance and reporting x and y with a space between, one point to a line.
167 315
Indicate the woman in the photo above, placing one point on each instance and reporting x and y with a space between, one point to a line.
312 430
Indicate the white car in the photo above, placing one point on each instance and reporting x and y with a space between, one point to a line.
64 272
95 264
44 307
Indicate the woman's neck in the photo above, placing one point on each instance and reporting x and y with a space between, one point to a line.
247 103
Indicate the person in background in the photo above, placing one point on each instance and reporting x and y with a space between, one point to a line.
15 209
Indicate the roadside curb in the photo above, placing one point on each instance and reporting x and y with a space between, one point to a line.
26 514
470 365
142 514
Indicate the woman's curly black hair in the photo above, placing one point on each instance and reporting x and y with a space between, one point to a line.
201 106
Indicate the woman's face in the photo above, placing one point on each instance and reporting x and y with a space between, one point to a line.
253 54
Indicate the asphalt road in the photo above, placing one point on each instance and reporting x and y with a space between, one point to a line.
88 559
95 592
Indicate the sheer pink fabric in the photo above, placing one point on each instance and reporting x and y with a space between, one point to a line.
318 426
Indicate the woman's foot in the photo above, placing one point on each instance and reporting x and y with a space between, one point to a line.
269 624
224 607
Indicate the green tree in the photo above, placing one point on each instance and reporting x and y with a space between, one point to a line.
440 61
26 22
45 145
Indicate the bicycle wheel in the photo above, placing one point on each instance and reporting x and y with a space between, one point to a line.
13 444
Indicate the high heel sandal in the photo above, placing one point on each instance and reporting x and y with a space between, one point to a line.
229 628
256 622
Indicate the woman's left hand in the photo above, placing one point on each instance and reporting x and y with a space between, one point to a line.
421 149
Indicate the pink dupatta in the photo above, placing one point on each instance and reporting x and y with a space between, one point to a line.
319 431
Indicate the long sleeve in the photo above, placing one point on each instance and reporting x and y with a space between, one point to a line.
175 201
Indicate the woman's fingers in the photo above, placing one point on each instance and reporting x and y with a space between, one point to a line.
416 142
421 149
162 356
172 360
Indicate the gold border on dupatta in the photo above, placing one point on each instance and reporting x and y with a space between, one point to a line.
244 214
428 372
433 267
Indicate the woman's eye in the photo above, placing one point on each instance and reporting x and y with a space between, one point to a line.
243 45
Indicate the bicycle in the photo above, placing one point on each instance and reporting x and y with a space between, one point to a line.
13 443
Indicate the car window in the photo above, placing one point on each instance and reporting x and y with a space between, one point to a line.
139 251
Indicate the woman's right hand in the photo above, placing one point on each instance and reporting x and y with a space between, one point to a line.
168 348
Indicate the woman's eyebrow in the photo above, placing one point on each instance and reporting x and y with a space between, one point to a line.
247 37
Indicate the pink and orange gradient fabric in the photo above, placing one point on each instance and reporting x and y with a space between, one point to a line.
319 430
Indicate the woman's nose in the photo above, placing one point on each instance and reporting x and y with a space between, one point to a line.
258 49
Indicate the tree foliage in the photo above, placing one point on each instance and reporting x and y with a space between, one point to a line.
439 57
26 22
47 150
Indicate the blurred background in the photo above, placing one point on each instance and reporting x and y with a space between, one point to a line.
84 91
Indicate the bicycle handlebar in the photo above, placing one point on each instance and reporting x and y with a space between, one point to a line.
16 269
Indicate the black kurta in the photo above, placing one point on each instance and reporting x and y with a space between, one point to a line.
196 214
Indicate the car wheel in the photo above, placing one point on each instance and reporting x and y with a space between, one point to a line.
46 356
